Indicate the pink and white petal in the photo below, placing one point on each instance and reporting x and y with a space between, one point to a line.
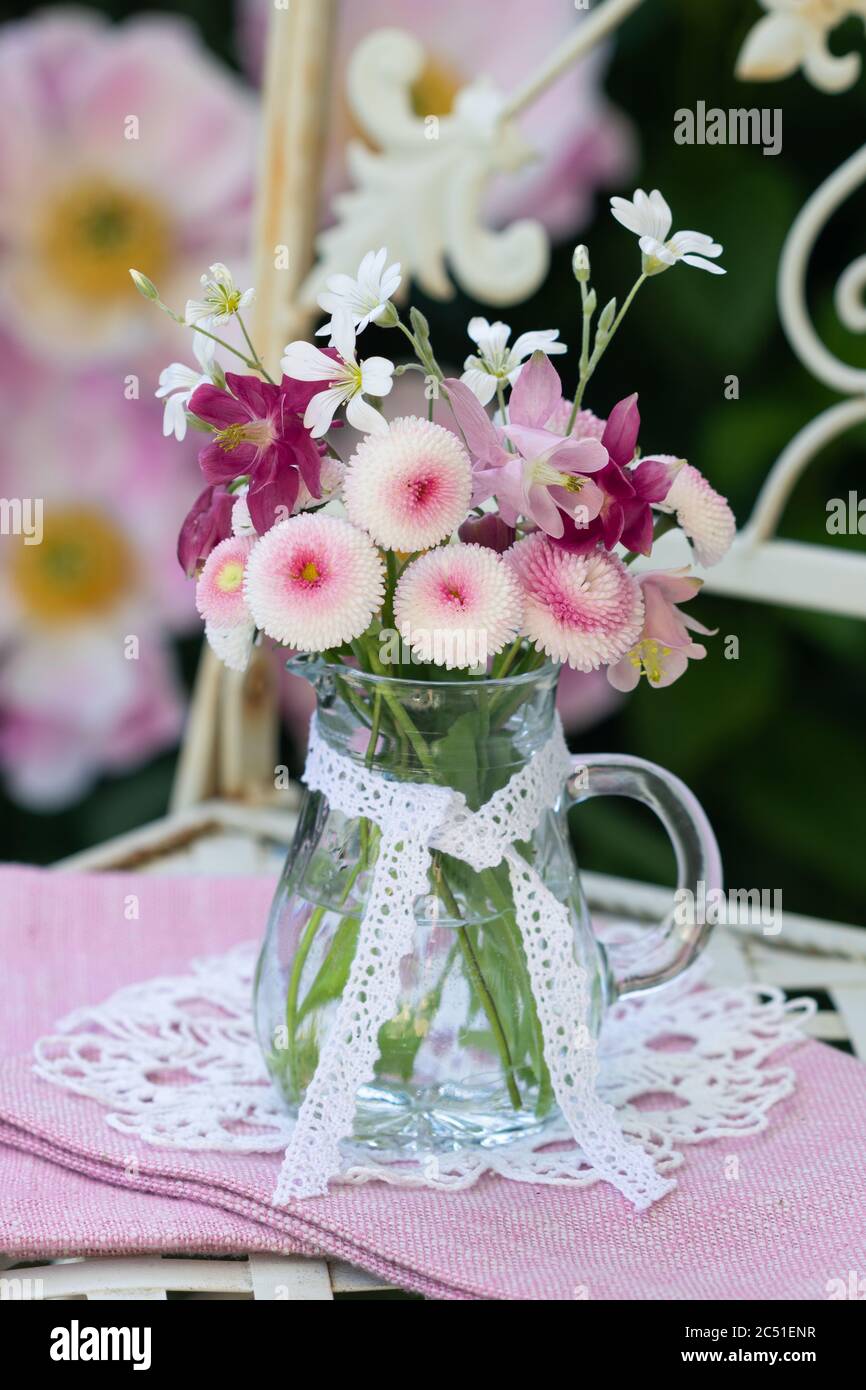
304 362
624 674
541 340
233 645
363 416
377 376
319 414
537 392
481 384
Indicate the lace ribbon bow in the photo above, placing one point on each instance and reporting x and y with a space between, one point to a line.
414 819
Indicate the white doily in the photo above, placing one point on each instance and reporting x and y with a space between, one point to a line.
176 1063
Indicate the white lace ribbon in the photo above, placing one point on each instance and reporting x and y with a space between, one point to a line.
415 819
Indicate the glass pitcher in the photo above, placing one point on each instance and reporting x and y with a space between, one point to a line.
462 1061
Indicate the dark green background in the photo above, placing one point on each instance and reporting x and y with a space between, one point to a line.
772 743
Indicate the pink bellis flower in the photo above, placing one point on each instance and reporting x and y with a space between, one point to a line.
543 476
625 515
665 647
259 432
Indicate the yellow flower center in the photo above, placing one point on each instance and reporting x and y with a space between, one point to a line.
81 569
230 577
309 573
95 231
648 656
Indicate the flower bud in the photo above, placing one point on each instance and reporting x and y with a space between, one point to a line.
488 530
144 286
606 318
580 264
589 304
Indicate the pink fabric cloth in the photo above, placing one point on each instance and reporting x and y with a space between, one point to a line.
785 1218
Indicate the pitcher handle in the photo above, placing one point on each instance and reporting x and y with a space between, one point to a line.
661 954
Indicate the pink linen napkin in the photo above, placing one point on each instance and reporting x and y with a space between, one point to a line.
777 1215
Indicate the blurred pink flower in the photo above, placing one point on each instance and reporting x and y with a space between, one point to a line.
582 141
125 145
87 677
664 648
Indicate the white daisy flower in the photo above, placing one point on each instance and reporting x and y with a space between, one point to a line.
348 380
221 299
177 383
496 362
650 218
364 297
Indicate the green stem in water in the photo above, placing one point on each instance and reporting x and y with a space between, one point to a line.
473 970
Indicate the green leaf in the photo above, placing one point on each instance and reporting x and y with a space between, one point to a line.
334 970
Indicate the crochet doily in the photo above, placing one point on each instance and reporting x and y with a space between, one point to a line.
176 1064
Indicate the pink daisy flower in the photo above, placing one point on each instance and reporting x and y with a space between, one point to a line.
457 605
314 582
702 513
409 488
219 594
586 610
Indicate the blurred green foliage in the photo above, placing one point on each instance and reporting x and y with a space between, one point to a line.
772 743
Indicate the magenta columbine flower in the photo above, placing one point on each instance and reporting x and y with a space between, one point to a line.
314 582
542 477
409 488
259 432
457 605
702 513
208 521
628 489
665 647
586 610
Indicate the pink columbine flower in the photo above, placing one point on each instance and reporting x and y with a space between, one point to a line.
259 432
457 605
409 488
628 489
586 610
544 478
314 582
702 513
664 648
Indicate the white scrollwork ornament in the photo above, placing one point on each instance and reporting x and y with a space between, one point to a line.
793 35
419 190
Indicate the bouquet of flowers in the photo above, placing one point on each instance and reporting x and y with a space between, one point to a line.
478 543
433 581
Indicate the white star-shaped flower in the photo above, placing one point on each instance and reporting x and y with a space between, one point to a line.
349 380
650 218
366 296
496 362
177 382
221 299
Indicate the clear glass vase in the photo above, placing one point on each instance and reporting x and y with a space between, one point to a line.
462 1061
